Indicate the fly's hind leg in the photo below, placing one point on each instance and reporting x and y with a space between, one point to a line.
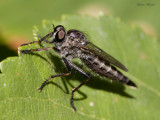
76 88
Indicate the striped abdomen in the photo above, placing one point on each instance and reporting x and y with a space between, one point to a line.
103 68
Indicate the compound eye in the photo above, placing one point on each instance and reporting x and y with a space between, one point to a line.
61 34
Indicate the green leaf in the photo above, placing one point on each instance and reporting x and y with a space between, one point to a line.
100 98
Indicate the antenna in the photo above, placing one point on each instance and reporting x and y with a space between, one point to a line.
53 26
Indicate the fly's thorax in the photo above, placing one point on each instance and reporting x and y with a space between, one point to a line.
76 38
70 46
67 48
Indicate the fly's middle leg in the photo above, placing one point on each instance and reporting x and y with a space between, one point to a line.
53 76
60 75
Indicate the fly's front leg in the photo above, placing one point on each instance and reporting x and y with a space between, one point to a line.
60 75
42 39
76 88
38 49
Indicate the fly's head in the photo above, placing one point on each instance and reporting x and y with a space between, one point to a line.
59 35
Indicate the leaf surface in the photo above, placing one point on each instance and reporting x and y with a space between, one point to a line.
99 99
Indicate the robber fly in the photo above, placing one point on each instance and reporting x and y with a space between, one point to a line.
73 44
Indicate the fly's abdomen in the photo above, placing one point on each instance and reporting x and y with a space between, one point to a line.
103 68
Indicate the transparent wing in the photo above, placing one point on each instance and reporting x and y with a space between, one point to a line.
94 49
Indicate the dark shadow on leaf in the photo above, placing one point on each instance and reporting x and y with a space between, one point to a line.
51 82
65 85
105 85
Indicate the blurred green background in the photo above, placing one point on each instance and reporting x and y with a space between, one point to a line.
18 17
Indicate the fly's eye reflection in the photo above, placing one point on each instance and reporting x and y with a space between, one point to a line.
93 57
